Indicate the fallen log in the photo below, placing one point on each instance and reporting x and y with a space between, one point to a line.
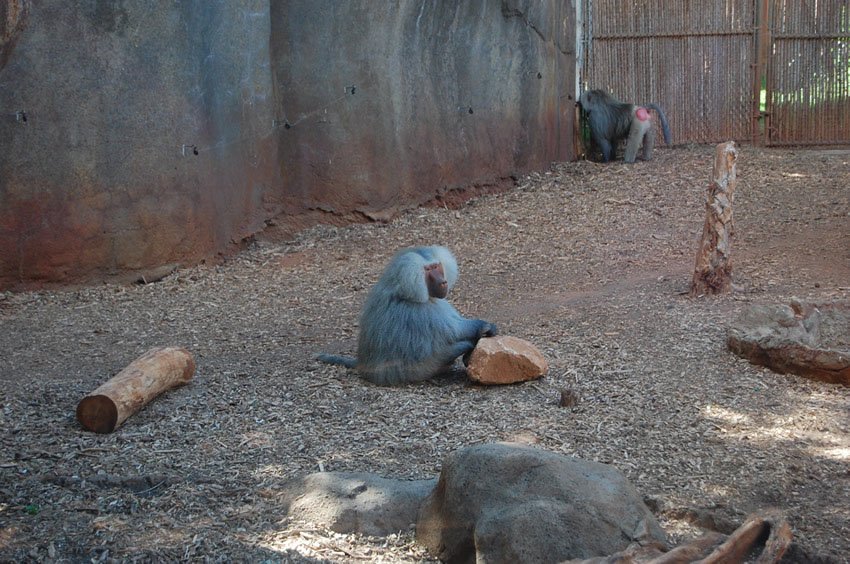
156 371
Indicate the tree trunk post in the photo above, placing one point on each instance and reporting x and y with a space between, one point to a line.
156 371
713 269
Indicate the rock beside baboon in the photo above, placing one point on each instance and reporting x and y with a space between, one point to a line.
505 360
508 503
811 340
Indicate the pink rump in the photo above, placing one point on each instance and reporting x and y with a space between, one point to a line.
642 114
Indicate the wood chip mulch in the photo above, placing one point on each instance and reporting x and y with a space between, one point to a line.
589 262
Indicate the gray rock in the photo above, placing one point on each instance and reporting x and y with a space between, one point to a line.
508 503
348 502
811 340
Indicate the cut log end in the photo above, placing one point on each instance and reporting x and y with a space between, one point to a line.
156 371
97 413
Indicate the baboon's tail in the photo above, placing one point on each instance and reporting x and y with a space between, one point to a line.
347 361
665 127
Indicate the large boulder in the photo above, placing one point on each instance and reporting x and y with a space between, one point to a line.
507 503
350 502
811 340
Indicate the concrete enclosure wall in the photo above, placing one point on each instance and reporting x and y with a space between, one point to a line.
136 134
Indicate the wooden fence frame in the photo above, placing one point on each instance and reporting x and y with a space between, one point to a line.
773 27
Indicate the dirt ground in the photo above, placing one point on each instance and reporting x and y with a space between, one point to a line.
590 262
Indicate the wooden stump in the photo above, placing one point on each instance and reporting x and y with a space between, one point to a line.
713 269
156 371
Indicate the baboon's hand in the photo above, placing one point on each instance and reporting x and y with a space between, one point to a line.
489 330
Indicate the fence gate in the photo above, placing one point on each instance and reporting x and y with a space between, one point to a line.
767 71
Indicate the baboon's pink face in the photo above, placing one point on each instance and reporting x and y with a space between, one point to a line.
435 280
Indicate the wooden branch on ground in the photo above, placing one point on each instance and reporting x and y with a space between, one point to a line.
156 371
713 269
771 530
765 538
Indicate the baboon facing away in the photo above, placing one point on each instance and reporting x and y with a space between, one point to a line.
611 121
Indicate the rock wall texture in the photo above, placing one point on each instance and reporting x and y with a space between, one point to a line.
135 135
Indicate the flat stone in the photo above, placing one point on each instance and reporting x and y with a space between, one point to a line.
811 340
356 502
